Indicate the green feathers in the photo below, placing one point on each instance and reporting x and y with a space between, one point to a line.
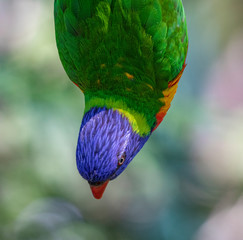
122 50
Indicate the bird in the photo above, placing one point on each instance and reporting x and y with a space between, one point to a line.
127 57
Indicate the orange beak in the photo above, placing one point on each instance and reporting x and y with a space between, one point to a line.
99 190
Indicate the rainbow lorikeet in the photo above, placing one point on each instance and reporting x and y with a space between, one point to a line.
127 57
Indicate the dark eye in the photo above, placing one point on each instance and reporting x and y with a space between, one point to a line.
121 160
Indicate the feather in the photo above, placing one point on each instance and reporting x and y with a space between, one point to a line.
99 41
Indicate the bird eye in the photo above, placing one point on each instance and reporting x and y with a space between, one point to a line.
121 160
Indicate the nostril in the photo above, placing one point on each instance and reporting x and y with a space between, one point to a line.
95 183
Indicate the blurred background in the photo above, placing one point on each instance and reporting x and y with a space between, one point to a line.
185 184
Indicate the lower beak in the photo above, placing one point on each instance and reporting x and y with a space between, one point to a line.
99 190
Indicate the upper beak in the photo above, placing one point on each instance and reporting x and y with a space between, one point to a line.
99 190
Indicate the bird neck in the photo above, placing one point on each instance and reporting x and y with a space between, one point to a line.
137 120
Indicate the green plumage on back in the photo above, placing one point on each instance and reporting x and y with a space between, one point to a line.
123 53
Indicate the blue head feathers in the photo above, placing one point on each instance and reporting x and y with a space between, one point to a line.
106 145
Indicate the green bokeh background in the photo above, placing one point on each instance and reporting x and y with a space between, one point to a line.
185 184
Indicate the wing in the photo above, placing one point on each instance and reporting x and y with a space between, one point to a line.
168 29
76 25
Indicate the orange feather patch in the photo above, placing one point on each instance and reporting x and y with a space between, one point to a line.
169 94
78 86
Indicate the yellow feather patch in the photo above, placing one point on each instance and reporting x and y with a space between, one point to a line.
129 76
130 118
150 86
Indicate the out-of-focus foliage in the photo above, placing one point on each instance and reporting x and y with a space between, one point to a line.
187 181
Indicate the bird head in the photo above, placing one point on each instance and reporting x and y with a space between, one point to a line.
106 145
